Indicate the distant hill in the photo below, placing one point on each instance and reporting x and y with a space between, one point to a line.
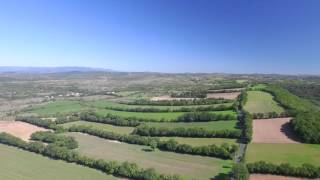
17 69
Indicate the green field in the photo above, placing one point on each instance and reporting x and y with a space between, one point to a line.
212 125
167 116
200 141
16 164
188 166
261 102
56 107
108 104
295 154
106 127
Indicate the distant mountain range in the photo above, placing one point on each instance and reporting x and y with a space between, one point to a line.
18 69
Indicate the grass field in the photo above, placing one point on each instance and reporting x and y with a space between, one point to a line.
106 127
167 116
17 164
107 104
295 154
201 141
261 102
213 125
188 166
61 107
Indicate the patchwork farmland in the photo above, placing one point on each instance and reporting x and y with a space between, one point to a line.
217 133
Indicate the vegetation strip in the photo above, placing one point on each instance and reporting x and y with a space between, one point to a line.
305 171
126 169
181 102
145 130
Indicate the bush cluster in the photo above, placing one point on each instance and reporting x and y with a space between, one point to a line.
50 137
125 169
306 170
269 115
145 130
45 123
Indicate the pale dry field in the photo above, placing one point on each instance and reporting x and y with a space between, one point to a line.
19 129
276 130
231 95
168 98
271 177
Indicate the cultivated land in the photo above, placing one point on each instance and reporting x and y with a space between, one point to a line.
213 125
277 130
188 166
17 164
166 116
200 141
106 127
231 95
261 102
19 129
295 154
108 104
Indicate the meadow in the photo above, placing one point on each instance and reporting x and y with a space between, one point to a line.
295 154
188 166
106 127
17 164
213 125
262 102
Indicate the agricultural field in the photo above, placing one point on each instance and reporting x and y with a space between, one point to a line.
19 129
295 154
261 102
188 166
17 164
276 130
106 127
213 125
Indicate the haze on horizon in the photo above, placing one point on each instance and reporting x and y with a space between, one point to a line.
233 36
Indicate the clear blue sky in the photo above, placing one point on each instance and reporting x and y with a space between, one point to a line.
233 36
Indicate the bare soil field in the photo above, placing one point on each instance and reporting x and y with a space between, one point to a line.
275 130
19 129
271 177
231 95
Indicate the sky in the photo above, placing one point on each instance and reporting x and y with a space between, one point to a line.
229 36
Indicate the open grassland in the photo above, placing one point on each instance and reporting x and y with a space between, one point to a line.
106 127
200 141
261 102
166 116
17 164
295 154
188 166
213 125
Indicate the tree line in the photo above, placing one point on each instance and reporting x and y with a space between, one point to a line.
182 109
304 171
182 102
204 117
144 130
189 94
125 169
